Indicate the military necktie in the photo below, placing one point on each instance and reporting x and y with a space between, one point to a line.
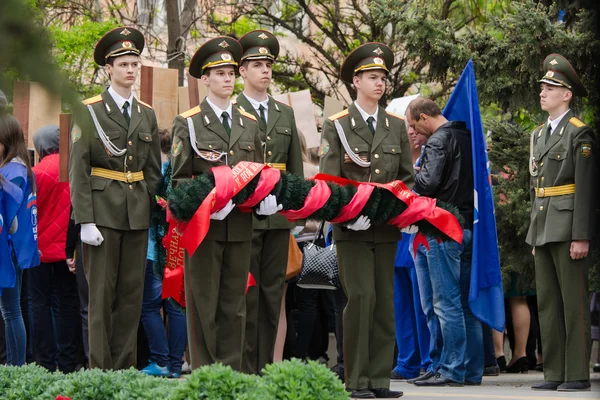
548 133
226 125
370 124
263 120
125 113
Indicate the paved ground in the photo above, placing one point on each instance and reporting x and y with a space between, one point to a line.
503 387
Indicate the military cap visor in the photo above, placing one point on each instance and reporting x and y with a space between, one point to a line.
119 42
559 72
259 45
368 57
217 52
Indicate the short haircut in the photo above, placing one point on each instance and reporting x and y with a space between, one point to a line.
420 106
165 140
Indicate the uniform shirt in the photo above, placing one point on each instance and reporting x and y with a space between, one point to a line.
219 111
366 115
554 123
120 100
256 105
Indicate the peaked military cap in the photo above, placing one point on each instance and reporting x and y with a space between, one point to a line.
222 50
259 45
559 72
367 57
119 42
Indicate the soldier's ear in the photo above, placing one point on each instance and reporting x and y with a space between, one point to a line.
568 95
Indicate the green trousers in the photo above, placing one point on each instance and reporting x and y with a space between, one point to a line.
263 301
367 275
115 275
562 286
215 293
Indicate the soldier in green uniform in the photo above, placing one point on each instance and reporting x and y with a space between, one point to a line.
270 241
212 134
563 203
365 143
114 168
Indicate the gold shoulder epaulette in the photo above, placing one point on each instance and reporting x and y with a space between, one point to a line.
92 100
191 112
395 115
577 122
282 103
247 114
339 115
145 104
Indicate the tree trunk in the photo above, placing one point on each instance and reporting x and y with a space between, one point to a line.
175 42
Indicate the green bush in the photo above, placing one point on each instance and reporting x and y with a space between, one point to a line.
219 382
26 383
295 380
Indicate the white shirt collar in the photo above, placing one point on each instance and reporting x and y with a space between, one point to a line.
120 100
256 104
219 111
554 123
365 115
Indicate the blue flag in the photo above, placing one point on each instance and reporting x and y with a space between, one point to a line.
486 296
10 201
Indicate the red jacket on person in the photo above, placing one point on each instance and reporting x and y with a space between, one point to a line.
53 207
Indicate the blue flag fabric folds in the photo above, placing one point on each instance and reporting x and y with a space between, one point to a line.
486 296
10 201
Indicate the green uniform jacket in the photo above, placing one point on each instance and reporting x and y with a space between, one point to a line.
243 144
388 150
105 202
282 146
565 159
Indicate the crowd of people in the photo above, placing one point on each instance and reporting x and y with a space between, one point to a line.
83 261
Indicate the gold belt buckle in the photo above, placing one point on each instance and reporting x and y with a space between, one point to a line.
129 177
542 192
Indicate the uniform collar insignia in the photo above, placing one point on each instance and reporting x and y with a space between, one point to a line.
241 122
107 107
276 107
138 106
206 119
352 122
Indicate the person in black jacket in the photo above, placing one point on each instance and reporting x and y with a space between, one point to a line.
444 270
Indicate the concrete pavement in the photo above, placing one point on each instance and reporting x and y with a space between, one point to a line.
503 387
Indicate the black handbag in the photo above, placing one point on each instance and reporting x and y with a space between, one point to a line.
319 266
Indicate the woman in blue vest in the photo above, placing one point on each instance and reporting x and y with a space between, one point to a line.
15 167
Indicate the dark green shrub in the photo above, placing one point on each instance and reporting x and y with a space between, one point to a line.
218 382
295 380
25 383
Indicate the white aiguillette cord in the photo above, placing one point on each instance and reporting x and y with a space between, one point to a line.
353 156
114 150
218 154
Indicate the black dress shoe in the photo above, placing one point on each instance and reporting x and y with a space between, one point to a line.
385 393
492 370
519 366
426 375
438 380
501 363
575 386
539 367
362 394
550 385
397 377
338 369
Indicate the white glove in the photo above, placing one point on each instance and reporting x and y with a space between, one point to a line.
14 225
223 212
296 230
409 230
269 206
361 224
91 235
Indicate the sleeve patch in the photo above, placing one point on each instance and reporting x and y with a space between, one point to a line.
75 133
177 146
324 149
586 150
